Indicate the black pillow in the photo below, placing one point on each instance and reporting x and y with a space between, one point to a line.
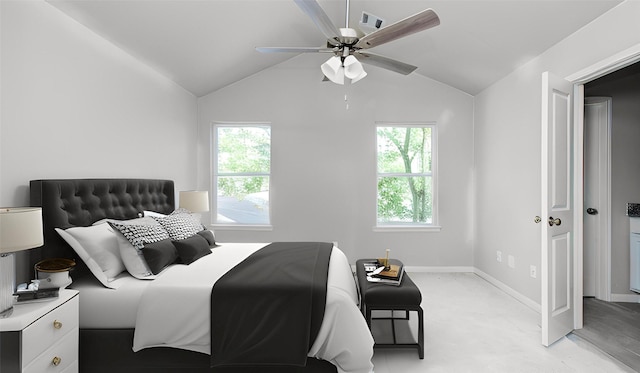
159 255
208 235
192 248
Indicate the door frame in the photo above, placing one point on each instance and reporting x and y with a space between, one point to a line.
579 79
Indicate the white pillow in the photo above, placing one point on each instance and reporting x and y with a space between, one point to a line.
98 247
153 213
133 258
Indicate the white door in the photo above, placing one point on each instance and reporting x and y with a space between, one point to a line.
596 243
557 209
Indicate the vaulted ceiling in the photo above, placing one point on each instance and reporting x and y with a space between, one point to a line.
204 45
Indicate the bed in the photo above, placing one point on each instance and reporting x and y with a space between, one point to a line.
130 323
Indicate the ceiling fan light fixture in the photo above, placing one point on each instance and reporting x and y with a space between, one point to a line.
357 78
333 70
353 68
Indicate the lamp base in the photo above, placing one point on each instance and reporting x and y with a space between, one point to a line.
7 278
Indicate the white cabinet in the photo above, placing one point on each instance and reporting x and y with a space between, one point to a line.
634 254
41 337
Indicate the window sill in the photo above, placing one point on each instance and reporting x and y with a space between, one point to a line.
406 228
241 227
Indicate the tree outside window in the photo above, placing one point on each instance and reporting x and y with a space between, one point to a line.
406 174
242 166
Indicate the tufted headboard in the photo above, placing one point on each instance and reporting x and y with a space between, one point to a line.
80 202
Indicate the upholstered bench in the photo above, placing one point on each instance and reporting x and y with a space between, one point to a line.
404 297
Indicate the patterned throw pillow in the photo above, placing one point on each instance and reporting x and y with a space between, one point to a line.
139 235
180 224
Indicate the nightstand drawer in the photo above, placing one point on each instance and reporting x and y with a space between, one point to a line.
73 368
62 355
49 329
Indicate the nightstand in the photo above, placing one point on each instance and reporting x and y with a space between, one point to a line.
42 336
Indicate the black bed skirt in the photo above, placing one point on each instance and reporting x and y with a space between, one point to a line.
109 350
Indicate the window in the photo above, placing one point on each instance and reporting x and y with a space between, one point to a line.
242 167
406 175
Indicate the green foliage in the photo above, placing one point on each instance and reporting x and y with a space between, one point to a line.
404 169
244 160
239 187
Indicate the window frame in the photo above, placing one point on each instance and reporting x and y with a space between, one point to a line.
410 226
215 174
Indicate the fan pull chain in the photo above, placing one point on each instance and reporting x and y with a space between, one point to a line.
346 100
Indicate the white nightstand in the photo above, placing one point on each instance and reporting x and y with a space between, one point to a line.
42 336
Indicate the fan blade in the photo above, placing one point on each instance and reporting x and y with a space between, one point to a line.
410 25
293 50
321 19
385 62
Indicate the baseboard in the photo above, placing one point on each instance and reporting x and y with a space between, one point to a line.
469 269
439 269
464 269
500 285
443 269
628 298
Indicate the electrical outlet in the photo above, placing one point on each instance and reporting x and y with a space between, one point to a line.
499 256
532 271
512 261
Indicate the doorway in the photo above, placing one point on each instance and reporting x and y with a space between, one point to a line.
610 181
611 152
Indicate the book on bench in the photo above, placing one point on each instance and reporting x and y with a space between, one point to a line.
391 275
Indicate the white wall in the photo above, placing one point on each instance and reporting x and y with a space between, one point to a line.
323 157
625 169
507 147
73 106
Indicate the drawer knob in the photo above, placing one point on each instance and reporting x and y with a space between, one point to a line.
56 361
57 324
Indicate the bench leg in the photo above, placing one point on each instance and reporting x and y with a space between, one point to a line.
420 342
420 333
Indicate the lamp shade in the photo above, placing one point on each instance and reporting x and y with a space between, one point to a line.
194 200
20 228
352 67
333 70
337 68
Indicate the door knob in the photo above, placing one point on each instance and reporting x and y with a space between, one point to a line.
592 211
553 221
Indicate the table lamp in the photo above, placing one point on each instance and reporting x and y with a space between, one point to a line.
20 229
194 200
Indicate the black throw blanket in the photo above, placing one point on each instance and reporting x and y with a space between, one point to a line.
268 309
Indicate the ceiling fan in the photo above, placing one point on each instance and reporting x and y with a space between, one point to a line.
349 50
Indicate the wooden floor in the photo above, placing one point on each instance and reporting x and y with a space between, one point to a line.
614 328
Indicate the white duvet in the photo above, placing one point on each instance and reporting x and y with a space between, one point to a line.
174 310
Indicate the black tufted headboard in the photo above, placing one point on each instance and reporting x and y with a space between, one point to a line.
80 202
